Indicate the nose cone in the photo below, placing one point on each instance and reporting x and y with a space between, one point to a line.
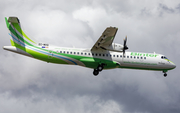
172 65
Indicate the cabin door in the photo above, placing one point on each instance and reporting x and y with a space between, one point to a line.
50 55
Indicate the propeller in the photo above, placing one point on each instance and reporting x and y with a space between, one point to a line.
125 46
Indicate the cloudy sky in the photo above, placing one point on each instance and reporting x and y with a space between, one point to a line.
32 86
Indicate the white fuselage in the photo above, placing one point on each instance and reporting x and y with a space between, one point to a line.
134 60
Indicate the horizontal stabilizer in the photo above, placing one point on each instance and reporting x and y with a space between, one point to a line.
16 50
13 20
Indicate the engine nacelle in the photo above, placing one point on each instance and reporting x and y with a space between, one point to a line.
115 47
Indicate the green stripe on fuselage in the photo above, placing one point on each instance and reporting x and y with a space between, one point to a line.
45 57
141 68
169 61
40 56
91 62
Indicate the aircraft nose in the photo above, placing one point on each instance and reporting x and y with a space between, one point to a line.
173 66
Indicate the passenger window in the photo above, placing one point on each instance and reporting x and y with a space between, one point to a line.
67 52
141 57
78 53
107 55
70 52
121 56
134 56
85 53
99 54
131 56
96 54
137 57
81 53
103 55
92 54
127 56
144 57
74 52
124 56
64 52
60 51
117 55
89 54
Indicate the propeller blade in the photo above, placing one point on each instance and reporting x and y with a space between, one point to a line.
125 40
123 52
125 46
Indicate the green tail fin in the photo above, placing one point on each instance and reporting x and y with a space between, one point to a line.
18 37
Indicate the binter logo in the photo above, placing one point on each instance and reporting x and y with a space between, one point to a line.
143 54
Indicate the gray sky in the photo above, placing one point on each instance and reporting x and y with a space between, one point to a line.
34 86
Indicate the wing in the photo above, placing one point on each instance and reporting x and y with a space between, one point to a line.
105 39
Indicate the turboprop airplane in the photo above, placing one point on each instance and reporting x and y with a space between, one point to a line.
103 55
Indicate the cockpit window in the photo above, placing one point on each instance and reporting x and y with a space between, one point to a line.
163 57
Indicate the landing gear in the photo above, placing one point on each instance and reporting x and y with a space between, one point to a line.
165 74
98 69
95 72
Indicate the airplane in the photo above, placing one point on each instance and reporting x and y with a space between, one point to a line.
103 55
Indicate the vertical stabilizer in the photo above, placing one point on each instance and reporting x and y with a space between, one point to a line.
18 37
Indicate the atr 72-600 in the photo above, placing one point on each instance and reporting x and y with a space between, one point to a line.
103 55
